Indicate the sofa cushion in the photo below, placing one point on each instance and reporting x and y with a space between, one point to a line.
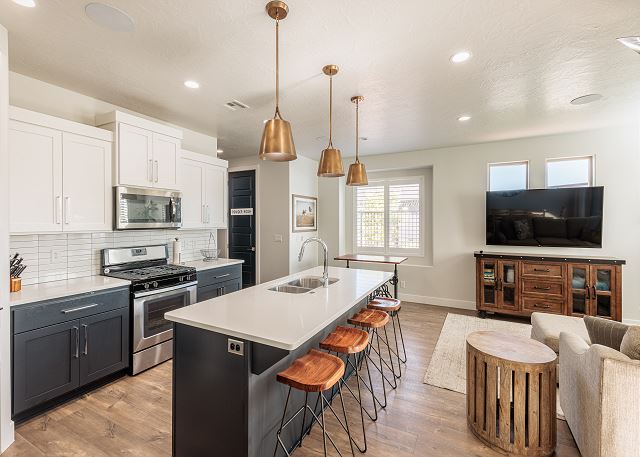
546 328
630 345
605 331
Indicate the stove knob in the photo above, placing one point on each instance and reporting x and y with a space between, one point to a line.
155 283
192 277
181 278
146 285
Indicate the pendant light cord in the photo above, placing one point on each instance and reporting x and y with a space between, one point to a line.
357 129
277 113
331 111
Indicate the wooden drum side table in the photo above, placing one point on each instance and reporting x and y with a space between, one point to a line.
511 393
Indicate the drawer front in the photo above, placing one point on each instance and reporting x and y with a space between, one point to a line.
219 275
545 305
542 287
548 270
41 314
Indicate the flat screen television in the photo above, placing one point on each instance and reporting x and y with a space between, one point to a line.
565 217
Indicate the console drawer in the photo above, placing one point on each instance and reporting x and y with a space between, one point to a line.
548 270
542 304
536 286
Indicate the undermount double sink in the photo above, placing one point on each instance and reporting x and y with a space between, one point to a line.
302 285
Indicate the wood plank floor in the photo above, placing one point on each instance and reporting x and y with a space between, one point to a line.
132 416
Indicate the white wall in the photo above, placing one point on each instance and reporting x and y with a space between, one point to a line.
6 424
459 185
303 180
43 97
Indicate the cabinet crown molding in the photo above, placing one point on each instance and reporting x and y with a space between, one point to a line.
45 120
137 121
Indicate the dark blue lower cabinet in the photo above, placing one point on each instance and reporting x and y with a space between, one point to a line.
216 282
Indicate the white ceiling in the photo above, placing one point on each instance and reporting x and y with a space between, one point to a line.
530 58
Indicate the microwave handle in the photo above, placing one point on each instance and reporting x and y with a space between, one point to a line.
172 209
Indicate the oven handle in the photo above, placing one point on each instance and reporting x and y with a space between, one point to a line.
160 292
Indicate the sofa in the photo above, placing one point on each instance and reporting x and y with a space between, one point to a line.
599 388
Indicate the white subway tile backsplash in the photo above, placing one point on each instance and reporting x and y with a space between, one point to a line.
54 257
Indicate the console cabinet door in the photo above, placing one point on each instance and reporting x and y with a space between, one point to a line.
104 344
603 291
488 278
86 183
35 175
45 364
508 277
135 156
165 161
579 287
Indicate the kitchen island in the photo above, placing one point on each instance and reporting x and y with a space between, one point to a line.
227 351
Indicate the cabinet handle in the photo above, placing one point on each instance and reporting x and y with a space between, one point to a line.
538 305
156 170
150 171
58 209
595 293
86 339
541 288
77 353
223 276
542 270
67 209
204 220
587 291
79 308
208 215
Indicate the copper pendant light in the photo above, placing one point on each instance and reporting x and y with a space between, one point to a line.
330 165
357 175
277 138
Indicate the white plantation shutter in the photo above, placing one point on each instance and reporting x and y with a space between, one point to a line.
388 217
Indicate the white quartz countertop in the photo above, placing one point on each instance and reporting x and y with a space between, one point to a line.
202 265
57 289
279 319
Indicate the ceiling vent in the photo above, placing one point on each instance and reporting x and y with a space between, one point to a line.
235 105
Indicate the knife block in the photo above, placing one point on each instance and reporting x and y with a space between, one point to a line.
15 285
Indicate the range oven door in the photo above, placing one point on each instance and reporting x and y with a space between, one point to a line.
138 208
149 325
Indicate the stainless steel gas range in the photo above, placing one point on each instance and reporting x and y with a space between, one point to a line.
156 288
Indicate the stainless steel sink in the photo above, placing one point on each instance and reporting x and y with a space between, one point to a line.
301 285
310 282
290 289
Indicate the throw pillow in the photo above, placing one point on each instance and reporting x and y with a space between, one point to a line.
631 343
523 229
605 331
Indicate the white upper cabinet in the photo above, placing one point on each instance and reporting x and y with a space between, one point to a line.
60 175
146 152
203 183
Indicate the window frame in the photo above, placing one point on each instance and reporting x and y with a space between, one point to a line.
504 164
592 170
386 250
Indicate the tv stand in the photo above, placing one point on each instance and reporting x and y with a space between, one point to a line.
520 284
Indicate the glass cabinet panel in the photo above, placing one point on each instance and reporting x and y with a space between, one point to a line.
489 276
507 285
579 293
603 280
602 286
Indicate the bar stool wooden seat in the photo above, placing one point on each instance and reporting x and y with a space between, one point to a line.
392 306
346 340
369 318
318 372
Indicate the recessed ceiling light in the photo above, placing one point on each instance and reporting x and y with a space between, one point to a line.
464 118
460 57
27 3
632 42
220 151
586 99
109 17
191 84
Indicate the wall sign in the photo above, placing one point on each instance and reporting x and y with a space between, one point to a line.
242 211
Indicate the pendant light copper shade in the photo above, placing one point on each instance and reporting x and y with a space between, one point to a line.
357 175
330 165
277 139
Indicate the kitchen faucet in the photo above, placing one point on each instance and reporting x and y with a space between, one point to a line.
325 275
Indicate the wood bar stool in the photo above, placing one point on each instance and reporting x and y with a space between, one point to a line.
372 320
351 341
392 306
316 371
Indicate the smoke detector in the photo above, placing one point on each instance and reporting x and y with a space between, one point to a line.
110 17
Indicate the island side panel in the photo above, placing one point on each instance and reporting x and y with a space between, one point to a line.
210 387
267 396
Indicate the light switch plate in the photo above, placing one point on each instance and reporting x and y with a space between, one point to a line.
235 347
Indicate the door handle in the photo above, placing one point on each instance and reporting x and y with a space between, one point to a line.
67 209
86 339
77 352
58 209
252 249
150 170
156 170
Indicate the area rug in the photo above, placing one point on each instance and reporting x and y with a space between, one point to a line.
447 368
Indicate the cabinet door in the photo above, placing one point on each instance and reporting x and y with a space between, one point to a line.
508 285
135 156
208 292
603 297
104 344
231 286
165 161
488 276
192 186
86 183
215 196
35 178
45 364
579 287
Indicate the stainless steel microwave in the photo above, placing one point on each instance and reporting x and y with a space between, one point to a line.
140 208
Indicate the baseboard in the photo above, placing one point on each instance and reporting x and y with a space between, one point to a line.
437 301
631 321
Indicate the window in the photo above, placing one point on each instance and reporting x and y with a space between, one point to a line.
389 217
569 172
509 175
